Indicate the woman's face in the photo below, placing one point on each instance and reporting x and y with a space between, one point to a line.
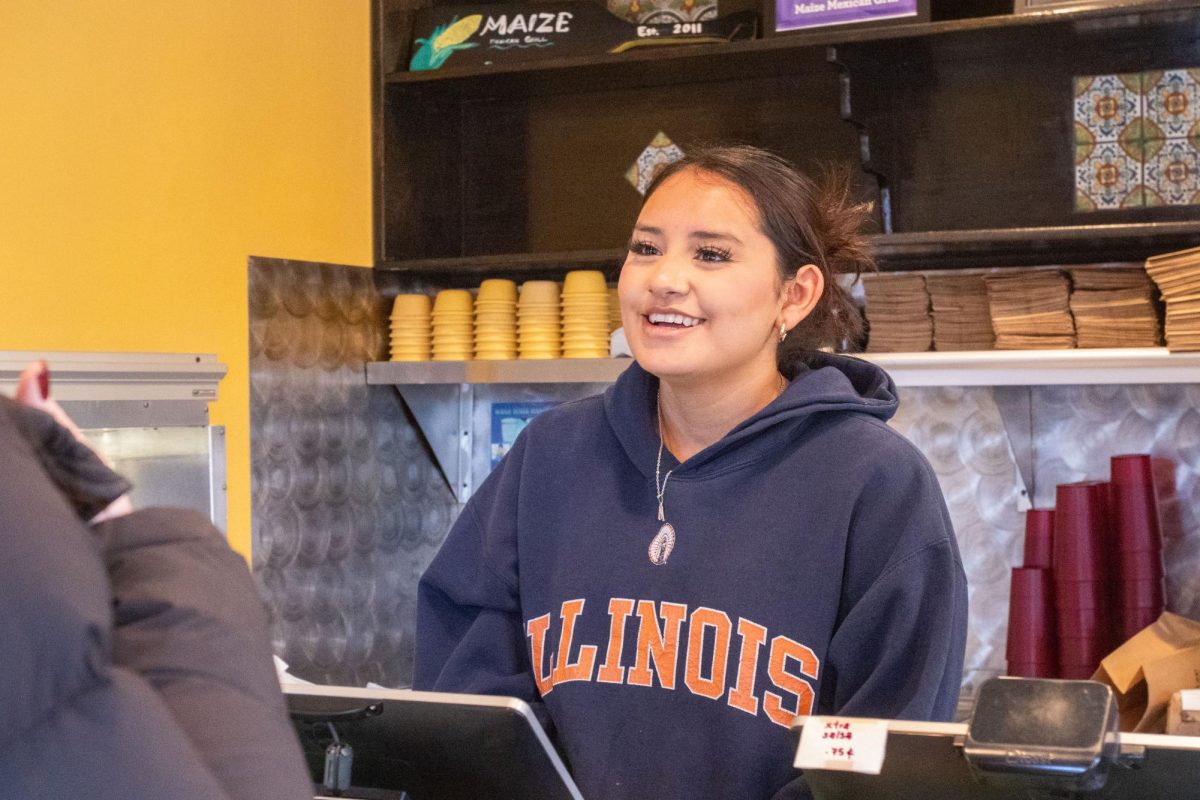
700 290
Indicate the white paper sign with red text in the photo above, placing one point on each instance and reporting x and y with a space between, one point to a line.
844 744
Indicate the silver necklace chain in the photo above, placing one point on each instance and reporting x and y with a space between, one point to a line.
660 488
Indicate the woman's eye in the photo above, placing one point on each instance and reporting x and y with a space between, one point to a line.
713 255
642 248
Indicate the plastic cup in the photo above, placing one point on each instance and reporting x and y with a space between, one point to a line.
1082 650
1077 672
1140 566
1136 521
1081 540
1082 594
1031 615
1142 594
585 280
453 300
1133 620
1039 538
1136 469
498 289
411 305
539 292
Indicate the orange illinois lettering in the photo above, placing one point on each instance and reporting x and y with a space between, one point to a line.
783 648
536 629
660 644
619 609
741 696
713 686
581 670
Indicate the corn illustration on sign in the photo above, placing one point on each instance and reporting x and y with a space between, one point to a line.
446 39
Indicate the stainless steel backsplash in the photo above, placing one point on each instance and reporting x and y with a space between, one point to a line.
349 506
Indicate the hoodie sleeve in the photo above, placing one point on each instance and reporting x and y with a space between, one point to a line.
898 649
470 635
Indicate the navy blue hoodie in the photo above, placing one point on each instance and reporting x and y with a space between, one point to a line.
814 570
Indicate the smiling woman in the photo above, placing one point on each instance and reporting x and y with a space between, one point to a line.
730 536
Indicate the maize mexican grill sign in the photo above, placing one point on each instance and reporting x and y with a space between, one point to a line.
476 36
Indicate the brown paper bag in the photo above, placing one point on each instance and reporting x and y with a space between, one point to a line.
1145 671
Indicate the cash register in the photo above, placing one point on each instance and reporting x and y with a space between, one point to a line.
1028 739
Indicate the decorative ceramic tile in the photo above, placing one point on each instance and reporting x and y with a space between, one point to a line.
660 152
1108 108
1107 177
663 12
1171 172
1172 100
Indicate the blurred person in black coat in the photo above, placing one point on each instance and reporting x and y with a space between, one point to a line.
135 661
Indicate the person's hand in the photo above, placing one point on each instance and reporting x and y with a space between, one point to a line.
33 390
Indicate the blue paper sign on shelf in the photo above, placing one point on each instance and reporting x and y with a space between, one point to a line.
508 420
793 15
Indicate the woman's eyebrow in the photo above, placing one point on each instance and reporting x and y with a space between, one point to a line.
715 235
707 236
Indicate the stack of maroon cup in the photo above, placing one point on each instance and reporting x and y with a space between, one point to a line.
1032 637
1138 537
1082 543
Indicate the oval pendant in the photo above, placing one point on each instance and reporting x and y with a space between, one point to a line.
662 545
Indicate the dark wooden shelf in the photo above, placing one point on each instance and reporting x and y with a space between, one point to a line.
899 251
743 58
1073 244
514 265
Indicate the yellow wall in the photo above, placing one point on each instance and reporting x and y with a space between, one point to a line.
148 147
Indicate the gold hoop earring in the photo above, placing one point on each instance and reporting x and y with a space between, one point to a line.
782 332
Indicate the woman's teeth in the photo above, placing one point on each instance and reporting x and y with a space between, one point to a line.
673 319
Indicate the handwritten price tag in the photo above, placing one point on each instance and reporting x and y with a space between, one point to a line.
843 744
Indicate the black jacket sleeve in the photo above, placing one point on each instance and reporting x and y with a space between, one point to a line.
135 658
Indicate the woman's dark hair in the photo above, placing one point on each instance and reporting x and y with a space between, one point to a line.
809 222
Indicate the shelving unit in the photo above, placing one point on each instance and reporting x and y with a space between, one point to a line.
442 395
983 368
962 127
898 251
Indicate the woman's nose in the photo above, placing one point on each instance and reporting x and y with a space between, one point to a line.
670 275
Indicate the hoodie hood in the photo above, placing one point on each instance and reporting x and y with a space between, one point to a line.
830 383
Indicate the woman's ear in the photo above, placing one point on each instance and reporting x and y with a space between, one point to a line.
801 294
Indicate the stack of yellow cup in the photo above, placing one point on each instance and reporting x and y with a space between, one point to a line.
496 320
538 324
585 315
614 309
453 323
410 327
